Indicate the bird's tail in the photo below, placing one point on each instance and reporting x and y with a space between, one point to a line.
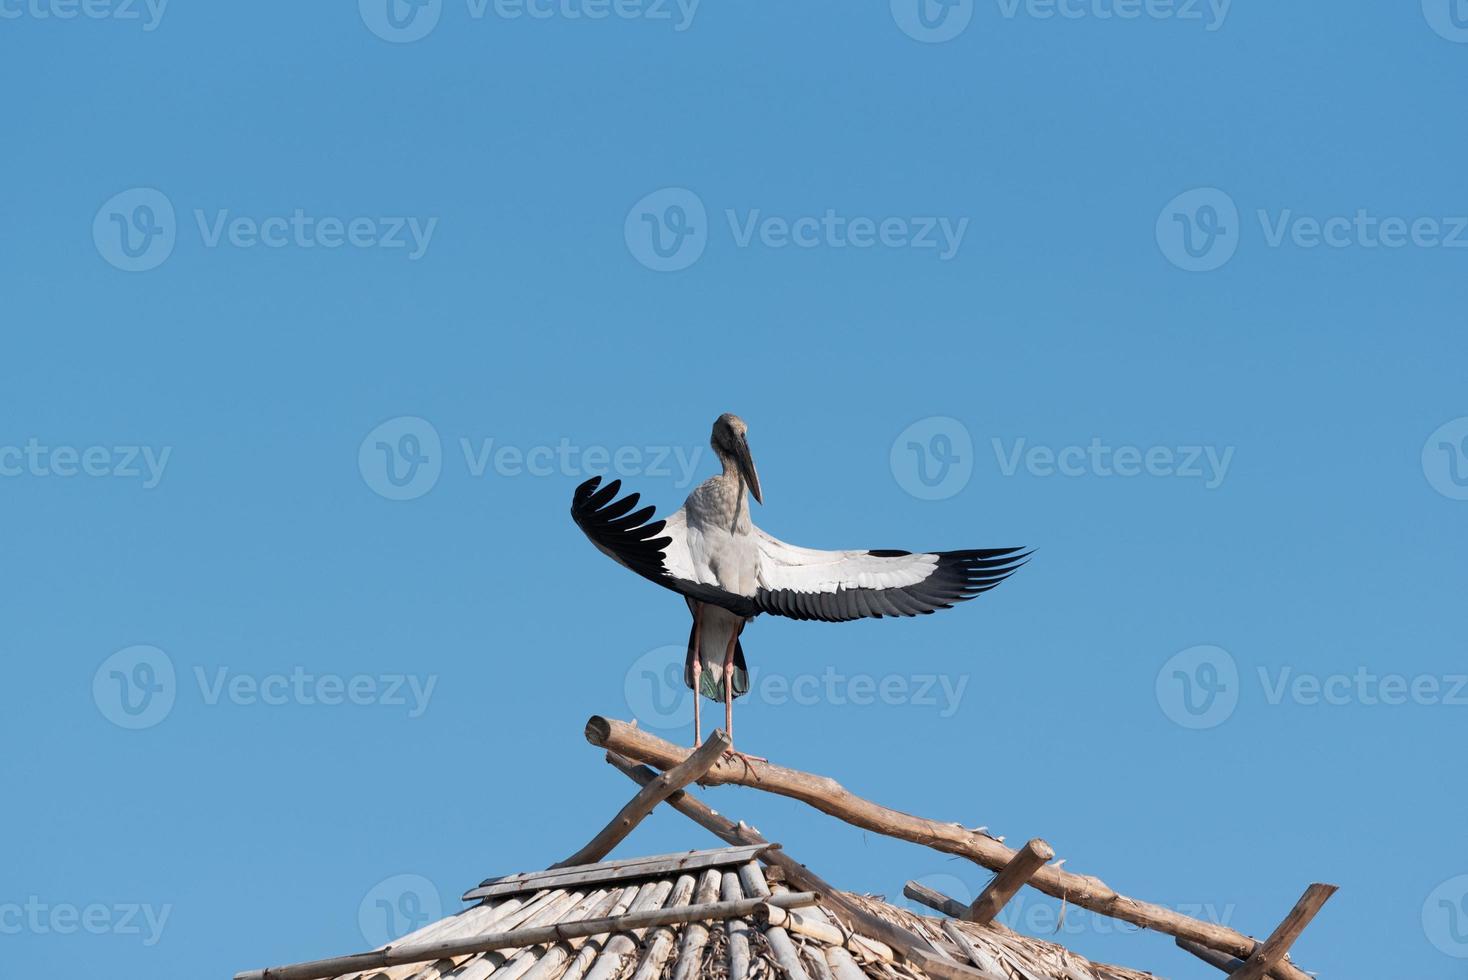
710 682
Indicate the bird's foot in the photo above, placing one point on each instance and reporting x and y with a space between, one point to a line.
732 753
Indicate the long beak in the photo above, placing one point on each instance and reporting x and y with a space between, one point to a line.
747 470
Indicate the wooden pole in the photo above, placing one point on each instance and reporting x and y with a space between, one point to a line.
752 883
1212 957
906 944
1021 868
1273 950
611 959
647 799
935 900
695 937
832 935
738 930
831 797
517 938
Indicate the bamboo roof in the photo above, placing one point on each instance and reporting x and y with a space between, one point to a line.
771 942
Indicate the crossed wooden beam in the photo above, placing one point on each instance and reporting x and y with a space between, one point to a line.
1240 956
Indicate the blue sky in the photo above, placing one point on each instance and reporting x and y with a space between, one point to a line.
1172 292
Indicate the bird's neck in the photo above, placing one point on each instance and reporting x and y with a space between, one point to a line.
731 468
734 481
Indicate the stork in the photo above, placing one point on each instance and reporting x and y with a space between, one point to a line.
729 571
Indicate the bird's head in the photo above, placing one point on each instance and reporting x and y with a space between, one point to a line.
730 440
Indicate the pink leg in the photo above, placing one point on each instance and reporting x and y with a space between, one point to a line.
697 679
729 699
729 689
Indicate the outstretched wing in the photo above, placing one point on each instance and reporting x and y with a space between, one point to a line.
656 550
835 586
